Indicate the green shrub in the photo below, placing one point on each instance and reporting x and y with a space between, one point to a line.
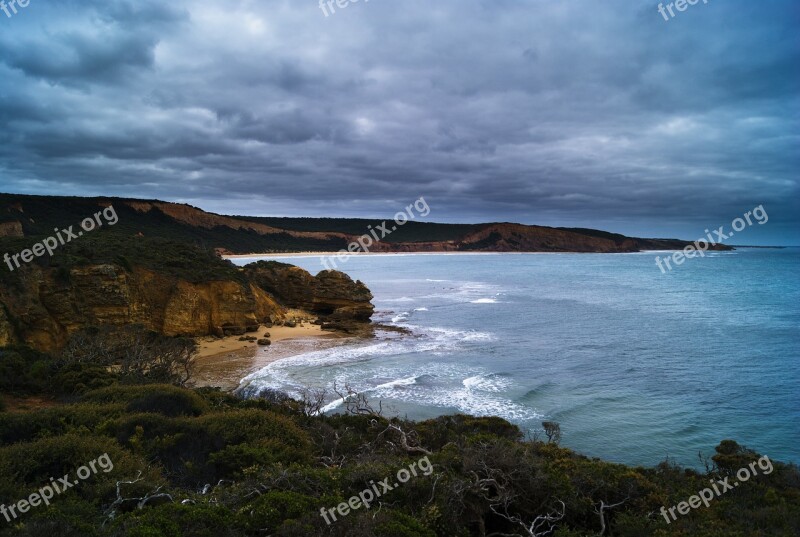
67 516
24 371
236 460
243 426
214 446
270 511
156 398
173 520
28 426
397 524
79 378
26 467
440 431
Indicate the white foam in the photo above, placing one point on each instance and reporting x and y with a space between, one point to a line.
281 374
484 301
410 381
485 383
399 318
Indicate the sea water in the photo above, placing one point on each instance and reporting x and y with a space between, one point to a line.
634 364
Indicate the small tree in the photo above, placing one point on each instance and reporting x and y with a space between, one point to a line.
553 431
140 356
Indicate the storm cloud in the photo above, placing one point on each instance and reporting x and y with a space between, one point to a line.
579 113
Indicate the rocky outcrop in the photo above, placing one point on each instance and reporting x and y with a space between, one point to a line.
44 306
11 229
49 306
331 295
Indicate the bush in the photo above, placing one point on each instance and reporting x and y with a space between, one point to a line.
67 516
178 521
396 524
157 398
270 511
214 446
28 426
78 378
140 356
24 371
26 467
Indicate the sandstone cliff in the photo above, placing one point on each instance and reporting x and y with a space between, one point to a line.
332 295
45 306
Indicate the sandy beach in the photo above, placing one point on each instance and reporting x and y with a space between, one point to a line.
223 362
289 255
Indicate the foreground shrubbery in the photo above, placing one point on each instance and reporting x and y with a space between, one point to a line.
203 463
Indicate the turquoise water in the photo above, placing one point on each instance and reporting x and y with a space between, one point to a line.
634 364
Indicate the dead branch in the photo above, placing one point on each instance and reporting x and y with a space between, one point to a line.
600 510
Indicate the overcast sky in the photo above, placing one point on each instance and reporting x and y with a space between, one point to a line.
575 113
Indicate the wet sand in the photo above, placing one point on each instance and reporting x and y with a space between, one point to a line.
225 362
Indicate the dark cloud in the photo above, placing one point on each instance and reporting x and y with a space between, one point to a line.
560 113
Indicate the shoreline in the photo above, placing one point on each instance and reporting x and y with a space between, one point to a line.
377 254
353 254
224 362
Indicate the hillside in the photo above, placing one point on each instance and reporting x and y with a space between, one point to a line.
37 216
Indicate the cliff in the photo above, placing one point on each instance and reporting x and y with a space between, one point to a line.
43 305
332 295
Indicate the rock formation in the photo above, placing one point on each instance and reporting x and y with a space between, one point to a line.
331 295
45 305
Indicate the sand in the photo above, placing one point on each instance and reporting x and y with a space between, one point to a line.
209 346
225 362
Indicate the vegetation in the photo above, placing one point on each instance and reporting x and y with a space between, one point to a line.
42 214
180 260
200 462
409 232
135 229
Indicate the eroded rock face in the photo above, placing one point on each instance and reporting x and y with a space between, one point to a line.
331 294
48 306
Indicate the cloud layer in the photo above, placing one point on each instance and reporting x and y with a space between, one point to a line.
584 113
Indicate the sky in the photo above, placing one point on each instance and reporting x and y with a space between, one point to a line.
551 112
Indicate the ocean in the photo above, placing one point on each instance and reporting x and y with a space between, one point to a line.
635 365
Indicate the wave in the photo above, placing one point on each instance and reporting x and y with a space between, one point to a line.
488 383
282 373
401 317
484 301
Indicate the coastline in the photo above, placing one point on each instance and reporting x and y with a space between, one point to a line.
290 255
397 254
224 362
